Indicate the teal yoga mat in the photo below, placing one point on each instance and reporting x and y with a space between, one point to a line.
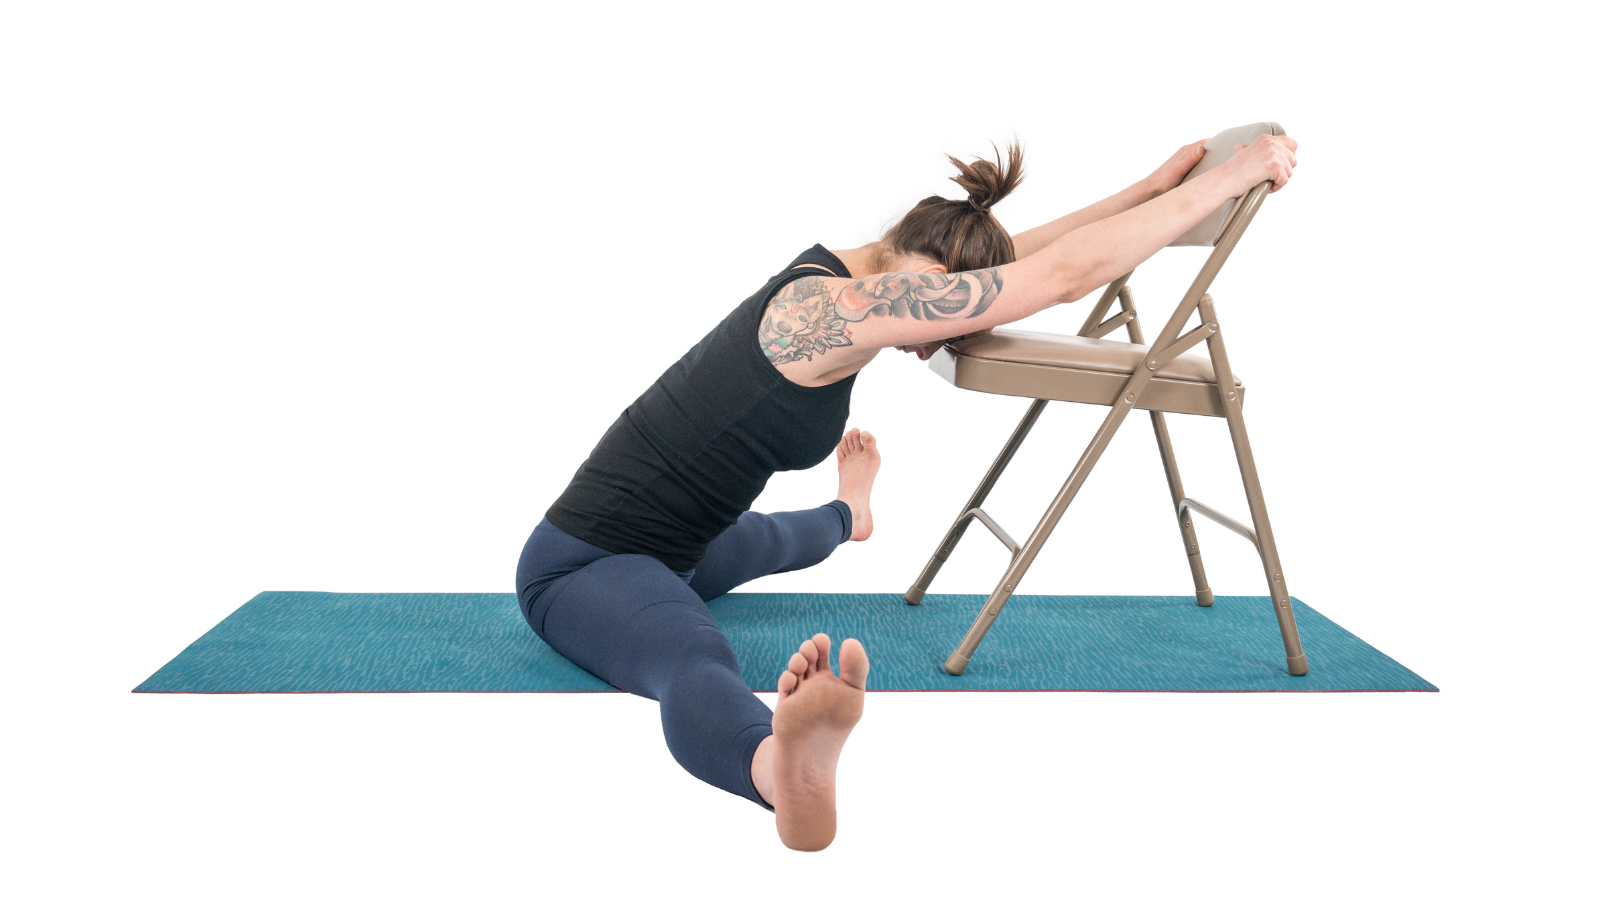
307 641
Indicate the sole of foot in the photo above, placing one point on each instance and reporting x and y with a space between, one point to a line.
816 711
858 468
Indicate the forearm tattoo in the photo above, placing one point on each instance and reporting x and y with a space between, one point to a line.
805 320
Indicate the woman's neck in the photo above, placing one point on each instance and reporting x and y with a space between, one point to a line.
862 261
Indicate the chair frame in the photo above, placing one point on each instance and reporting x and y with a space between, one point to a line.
1167 346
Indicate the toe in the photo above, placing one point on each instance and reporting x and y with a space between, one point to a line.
853 663
787 682
824 659
799 665
808 651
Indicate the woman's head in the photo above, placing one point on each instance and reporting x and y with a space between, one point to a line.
957 235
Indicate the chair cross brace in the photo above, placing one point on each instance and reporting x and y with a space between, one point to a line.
1112 324
1226 521
981 516
1158 358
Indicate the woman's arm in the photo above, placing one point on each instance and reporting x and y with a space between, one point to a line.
1163 179
851 320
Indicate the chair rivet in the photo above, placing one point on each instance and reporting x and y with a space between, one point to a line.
1130 396
1277 579
1230 395
1151 364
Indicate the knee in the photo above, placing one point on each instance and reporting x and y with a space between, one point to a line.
704 645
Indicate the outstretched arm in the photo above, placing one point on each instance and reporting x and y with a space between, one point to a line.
853 319
1160 181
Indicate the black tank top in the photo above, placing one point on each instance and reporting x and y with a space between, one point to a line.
696 449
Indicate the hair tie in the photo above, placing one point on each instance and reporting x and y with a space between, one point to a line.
974 204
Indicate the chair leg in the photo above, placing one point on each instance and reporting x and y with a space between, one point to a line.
1169 462
1023 558
953 536
1191 541
1276 586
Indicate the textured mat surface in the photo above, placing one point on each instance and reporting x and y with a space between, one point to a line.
300 641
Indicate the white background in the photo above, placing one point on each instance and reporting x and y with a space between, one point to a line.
337 296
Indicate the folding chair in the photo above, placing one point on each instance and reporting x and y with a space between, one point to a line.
1159 377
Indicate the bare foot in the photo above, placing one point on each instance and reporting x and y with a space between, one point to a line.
858 466
815 713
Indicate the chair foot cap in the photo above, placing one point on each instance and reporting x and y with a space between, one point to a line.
914 597
956 664
1298 666
1204 597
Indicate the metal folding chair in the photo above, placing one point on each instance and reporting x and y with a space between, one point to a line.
1160 377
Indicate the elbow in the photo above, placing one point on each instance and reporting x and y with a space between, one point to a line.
1072 292
1069 285
1080 275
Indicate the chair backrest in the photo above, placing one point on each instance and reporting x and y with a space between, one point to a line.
1221 231
1218 151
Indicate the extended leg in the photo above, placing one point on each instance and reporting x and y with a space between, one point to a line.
760 544
632 622
636 624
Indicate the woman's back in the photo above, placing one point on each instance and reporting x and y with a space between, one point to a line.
697 447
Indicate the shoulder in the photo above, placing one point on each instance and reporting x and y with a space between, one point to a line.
800 323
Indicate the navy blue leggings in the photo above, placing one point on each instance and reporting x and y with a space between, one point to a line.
643 628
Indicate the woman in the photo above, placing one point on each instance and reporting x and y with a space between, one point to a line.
657 520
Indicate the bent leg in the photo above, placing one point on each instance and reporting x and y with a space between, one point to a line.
632 622
760 544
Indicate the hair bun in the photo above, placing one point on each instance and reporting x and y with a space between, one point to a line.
987 183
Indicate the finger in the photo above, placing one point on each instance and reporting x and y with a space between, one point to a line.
1238 146
1290 142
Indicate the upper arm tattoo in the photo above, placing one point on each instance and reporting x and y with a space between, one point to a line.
805 320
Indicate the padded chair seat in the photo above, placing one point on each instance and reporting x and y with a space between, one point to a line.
1076 369
1072 352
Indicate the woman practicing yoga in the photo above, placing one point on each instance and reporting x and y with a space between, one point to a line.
657 520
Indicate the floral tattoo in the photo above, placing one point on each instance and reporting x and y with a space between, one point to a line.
805 320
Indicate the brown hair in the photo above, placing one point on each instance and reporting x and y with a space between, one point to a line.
962 235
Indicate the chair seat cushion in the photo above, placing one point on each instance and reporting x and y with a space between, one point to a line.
1065 351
